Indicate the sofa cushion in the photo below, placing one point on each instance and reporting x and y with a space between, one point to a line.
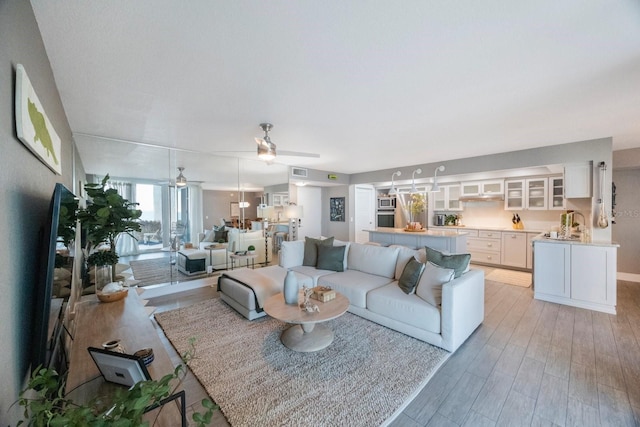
311 250
410 276
430 284
459 262
404 255
391 302
291 254
353 284
337 242
331 258
378 260
312 272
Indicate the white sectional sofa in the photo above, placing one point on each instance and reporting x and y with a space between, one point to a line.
370 281
238 241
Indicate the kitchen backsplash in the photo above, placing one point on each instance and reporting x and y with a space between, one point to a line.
492 214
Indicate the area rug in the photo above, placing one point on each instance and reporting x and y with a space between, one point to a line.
510 277
159 270
364 378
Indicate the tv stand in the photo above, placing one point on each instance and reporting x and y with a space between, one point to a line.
127 320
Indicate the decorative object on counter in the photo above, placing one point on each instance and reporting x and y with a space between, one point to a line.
450 220
417 205
567 223
251 249
114 345
306 304
113 291
414 226
517 222
603 221
290 288
323 293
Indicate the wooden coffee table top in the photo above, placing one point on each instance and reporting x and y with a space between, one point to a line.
276 308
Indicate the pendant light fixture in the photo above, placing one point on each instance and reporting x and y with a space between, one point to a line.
393 189
181 181
435 188
413 180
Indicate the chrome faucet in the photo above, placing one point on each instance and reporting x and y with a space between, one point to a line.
584 221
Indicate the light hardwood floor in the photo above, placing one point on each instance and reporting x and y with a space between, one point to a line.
529 363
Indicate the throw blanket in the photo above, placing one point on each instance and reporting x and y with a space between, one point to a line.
263 287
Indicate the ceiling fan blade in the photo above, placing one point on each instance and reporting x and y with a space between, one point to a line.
297 153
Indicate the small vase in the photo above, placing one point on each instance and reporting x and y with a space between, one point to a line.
291 288
103 276
114 345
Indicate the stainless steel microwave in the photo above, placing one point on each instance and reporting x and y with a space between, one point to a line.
385 203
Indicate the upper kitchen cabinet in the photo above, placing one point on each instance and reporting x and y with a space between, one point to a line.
447 199
577 180
556 193
280 199
523 194
482 188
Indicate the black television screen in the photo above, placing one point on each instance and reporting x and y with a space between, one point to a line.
56 234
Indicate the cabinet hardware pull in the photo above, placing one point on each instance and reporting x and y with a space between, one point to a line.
513 236
489 245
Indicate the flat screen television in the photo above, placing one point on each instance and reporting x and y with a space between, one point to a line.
57 233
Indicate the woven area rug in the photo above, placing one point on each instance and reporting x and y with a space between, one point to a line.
364 378
159 270
510 277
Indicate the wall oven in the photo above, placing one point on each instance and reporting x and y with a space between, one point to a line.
386 203
386 219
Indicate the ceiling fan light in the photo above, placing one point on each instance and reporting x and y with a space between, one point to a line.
266 149
181 181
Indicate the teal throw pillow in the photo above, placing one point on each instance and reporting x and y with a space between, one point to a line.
311 250
331 258
458 262
410 275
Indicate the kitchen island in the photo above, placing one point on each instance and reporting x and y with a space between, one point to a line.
450 241
576 273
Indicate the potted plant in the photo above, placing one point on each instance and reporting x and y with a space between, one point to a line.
417 205
44 402
108 215
251 249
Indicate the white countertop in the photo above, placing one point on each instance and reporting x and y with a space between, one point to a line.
473 227
427 232
545 239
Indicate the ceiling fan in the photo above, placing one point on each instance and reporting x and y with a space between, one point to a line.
267 149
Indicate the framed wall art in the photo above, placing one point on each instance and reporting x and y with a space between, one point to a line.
33 126
336 209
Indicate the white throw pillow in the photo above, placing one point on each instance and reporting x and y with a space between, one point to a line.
430 285
208 236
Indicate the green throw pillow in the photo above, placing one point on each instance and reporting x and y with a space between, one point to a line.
311 250
458 262
331 257
410 275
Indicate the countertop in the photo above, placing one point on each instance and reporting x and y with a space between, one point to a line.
427 232
545 239
473 227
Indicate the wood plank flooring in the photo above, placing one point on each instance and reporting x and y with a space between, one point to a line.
531 363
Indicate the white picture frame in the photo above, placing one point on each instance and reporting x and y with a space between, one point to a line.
33 127
119 368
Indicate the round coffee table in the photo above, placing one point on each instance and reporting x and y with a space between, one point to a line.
307 333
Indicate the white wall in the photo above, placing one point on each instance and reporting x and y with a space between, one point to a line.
310 198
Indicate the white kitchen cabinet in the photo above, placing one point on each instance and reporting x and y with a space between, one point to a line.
526 194
280 199
536 193
530 237
486 247
556 199
514 249
576 274
577 180
482 188
447 199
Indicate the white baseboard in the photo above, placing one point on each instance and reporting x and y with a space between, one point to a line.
628 277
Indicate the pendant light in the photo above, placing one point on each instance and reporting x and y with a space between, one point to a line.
435 188
181 181
413 180
393 190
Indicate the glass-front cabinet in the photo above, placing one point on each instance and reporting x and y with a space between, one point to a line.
480 188
447 199
523 194
556 193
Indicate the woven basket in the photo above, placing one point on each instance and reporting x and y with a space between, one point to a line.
113 296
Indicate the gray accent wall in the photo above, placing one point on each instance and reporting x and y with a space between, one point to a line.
338 229
27 187
626 230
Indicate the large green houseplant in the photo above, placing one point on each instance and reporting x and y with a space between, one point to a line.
106 217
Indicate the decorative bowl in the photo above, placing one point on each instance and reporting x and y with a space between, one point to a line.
112 296
146 354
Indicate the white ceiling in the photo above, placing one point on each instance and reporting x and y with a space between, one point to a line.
368 85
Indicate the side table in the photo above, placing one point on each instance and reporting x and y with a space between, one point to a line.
239 258
217 247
